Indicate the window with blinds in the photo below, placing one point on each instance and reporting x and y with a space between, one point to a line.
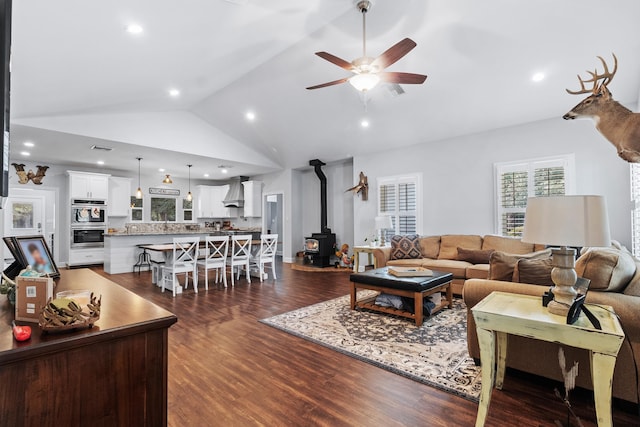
518 181
635 208
398 198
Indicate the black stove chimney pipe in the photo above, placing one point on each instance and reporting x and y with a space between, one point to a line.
317 166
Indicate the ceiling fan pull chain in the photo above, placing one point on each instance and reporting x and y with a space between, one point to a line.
364 33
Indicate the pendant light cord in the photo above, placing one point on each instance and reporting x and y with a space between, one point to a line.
364 33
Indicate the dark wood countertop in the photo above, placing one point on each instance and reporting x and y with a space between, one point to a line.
123 313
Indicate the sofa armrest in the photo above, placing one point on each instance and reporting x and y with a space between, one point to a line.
475 290
382 255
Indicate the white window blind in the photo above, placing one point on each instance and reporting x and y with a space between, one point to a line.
517 181
398 197
635 208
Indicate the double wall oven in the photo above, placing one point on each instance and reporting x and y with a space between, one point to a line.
88 223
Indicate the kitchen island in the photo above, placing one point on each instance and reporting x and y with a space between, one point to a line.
112 374
121 249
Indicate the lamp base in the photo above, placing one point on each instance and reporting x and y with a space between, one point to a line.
564 278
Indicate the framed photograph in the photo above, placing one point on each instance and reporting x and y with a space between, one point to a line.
35 252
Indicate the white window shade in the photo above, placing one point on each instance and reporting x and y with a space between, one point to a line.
398 197
635 208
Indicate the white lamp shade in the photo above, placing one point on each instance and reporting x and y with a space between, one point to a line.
567 221
383 222
364 82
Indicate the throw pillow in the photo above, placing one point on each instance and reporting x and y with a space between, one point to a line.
533 271
501 264
430 246
406 247
475 256
608 269
450 243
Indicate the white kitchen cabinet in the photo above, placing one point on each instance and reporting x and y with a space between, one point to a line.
209 202
86 256
252 199
119 197
85 185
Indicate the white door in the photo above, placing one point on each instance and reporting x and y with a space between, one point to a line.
24 216
273 213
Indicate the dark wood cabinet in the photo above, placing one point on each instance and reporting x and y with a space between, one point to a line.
114 374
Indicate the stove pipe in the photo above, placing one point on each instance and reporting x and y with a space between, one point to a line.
317 166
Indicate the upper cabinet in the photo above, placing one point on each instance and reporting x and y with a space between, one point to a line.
252 198
208 202
85 185
119 196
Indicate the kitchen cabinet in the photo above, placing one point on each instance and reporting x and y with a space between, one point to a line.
85 185
252 199
119 196
86 256
209 202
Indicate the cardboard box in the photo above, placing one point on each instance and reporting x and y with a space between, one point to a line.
32 293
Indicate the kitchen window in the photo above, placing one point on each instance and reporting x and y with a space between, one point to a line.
517 181
399 197
136 209
163 209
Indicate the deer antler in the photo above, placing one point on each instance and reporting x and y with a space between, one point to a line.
604 79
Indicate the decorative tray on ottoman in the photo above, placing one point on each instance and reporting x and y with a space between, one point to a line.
409 271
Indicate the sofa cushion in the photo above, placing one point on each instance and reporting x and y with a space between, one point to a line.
502 264
406 247
406 262
455 267
509 245
633 288
478 271
430 246
474 256
533 271
450 243
608 269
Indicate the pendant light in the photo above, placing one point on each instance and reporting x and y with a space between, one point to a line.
189 195
167 179
139 191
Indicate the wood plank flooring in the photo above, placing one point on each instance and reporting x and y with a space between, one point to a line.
227 369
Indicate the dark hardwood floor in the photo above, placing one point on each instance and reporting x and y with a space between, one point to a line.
226 368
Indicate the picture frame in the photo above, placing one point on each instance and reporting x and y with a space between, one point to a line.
34 251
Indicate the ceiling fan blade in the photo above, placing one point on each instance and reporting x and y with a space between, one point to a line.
402 78
335 60
335 82
394 53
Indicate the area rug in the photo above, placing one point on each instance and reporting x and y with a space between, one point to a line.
434 354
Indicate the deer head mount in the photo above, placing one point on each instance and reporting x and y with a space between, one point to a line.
615 122
24 176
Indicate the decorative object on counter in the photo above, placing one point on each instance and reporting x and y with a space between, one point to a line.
189 195
20 333
33 290
566 221
8 288
167 179
25 177
139 190
33 251
361 187
164 191
383 223
64 314
615 122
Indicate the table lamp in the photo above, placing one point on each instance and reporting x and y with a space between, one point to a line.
383 222
566 221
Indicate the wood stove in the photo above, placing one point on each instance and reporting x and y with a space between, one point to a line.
319 248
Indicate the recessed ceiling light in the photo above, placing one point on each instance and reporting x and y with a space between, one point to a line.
161 170
364 123
25 153
100 162
206 175
134 29
174 93
223 170
29 144
250 115
537 77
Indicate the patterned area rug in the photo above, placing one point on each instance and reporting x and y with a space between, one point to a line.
434 354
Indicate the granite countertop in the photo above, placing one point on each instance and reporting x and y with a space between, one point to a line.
208 231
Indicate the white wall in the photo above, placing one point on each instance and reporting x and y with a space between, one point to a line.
458 187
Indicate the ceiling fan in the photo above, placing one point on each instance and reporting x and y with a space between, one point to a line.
368 72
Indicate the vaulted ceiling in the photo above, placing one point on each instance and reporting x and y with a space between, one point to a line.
79 79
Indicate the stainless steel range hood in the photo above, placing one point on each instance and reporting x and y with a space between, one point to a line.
235 195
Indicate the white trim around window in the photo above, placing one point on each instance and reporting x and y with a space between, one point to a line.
401 198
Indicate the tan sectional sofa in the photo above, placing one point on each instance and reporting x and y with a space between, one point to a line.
441 253
541 358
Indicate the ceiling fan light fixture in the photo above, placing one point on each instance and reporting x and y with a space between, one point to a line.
364 82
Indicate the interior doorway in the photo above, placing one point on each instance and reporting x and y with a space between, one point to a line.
273 217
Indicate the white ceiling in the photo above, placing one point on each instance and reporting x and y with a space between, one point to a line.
76 74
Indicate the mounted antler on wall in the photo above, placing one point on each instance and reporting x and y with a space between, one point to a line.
615 122
362 187
24 177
